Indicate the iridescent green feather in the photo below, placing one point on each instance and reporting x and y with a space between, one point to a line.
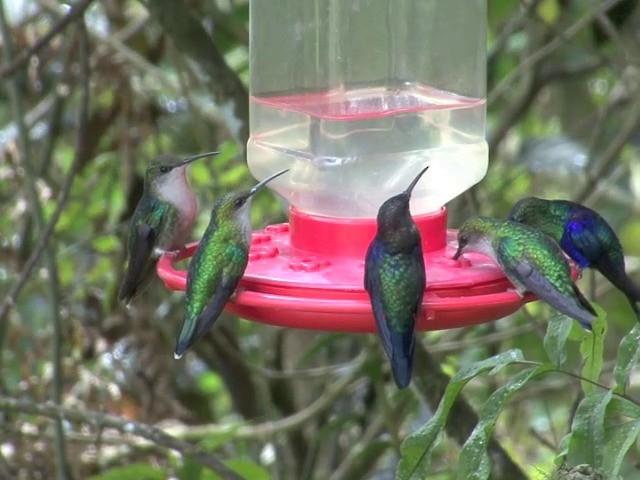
399 290
220 258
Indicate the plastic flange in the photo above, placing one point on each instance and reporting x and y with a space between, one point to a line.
309 274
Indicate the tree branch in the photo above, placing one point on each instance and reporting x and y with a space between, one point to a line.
21 59
610 155
99 419
11 297
17 109
532 60
191 39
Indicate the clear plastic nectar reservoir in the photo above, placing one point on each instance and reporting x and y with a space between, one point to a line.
355 97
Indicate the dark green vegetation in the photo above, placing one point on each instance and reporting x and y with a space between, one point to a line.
81 118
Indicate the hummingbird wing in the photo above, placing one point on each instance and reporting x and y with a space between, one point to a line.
212 279
526 271
192 330
214 308
146 224
373 285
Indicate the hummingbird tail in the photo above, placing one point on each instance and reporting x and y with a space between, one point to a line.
186 338
585 315
617 275
402 345
196 326
632 292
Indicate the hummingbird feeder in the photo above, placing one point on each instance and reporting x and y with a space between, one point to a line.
355 98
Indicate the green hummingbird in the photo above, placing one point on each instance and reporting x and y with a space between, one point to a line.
161 222
531 260
217 264
394 277
584 235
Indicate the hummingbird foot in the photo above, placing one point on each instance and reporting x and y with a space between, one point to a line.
158 252
235 294
169 253
518 291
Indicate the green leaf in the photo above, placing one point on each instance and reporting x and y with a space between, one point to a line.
587 430
621 432
627 358
618 441
563 450
248 469
549 11
416 447
621 407
105 244
210 383
592 350
135 471
192 470
474 463
555 340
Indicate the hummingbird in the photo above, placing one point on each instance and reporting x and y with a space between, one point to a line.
217 264
531 260
584 235
395 279
161 222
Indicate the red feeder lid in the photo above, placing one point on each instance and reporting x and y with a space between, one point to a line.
309 274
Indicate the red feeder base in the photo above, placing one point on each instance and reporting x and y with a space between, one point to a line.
309 274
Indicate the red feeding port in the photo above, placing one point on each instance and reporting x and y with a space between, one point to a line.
309 273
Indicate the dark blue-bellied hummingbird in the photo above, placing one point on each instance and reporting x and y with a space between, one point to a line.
217 264
531 260
161 222
394 277
584 235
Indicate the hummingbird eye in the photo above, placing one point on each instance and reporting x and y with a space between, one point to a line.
165 169
238 202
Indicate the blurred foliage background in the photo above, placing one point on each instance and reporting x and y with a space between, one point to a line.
85 105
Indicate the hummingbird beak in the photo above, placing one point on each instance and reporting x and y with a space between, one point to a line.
255 189
415 181
458 253
188 160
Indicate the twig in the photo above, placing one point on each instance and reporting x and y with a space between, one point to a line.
610 155
292 422
11 297
345 469
5 469
148 432
19 61
513 25
537 81
177 437
191 39
532 60
300 374
489 339
17 110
